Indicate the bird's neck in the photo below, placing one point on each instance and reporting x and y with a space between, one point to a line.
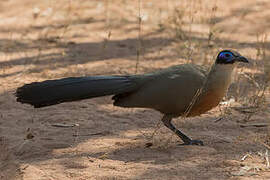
220 76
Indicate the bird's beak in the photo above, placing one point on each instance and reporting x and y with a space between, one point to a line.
241 59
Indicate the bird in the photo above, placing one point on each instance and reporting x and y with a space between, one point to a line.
181 90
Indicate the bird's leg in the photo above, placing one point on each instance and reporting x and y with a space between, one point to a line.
187 141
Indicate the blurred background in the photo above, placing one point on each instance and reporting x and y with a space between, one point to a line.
49 39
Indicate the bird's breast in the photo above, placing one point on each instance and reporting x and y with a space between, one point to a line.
214 90
206 102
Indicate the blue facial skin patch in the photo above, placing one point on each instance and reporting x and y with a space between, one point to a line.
225 58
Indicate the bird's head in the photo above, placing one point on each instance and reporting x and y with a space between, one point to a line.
230 57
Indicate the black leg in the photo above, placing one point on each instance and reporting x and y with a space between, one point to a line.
187 141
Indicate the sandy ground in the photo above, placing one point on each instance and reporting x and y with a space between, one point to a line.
92 139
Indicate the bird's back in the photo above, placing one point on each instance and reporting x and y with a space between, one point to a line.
169 91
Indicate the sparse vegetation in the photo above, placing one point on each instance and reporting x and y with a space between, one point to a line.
52 39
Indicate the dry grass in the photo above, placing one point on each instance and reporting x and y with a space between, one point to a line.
50 39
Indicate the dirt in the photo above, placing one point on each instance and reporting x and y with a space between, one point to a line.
92 139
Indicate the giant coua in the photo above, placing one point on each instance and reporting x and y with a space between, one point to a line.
176 91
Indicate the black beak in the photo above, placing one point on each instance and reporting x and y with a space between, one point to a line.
241 59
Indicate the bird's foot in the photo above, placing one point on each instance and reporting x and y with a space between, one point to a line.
193 142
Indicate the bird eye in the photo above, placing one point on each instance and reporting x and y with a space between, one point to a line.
225 55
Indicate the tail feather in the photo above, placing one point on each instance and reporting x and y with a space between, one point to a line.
50 92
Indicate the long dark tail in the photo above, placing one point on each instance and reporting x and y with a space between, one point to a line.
50 92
